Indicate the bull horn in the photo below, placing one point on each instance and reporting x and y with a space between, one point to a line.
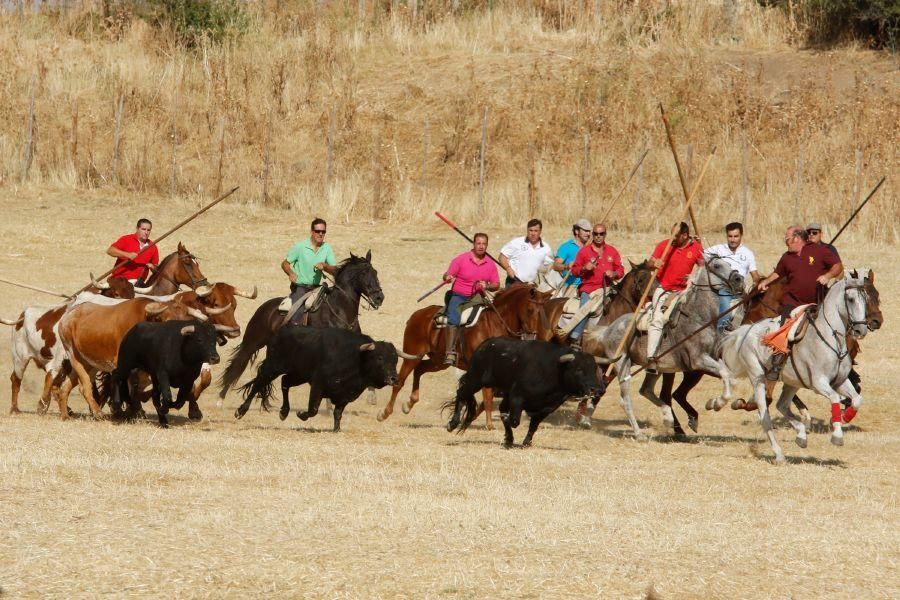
203 291
216 311
565 358
143 290
408 356
367 347
242 294
603 361
100 285
187 330
183 287
197 314
226 328
155 308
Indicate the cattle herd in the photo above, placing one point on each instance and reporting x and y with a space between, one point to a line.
124 346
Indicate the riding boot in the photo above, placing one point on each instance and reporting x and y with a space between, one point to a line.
452 337
774 371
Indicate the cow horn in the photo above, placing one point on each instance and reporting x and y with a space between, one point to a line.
243 294
155 308
216 311
187 330
183 287
197 314
565 358
603 361
203 291
367 347
408 356
226 328
100 285
143 290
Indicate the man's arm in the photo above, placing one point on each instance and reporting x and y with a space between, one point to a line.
117 253
286 267
755 275
832 273
559 265
764 284
504 262
618 270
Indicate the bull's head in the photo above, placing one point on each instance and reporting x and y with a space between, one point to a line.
379 363
579 376
200 345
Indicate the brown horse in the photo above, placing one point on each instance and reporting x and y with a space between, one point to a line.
626 293
517 311
176 269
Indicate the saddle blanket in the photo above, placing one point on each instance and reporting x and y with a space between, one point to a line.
792 331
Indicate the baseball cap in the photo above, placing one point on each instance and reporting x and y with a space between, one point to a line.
583 224
816 226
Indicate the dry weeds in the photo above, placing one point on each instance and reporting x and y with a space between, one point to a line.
402 508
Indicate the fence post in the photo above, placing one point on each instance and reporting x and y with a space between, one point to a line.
267 157
797 187
329 159
857 179
585 169
376 172
532 184
484 125
636 206
117 137
73 140
221 161
28 154
425 140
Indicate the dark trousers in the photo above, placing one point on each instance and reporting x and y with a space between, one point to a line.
297 292
512 281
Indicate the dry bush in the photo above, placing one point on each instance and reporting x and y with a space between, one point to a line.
810 128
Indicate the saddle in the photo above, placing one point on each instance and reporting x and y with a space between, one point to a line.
670 312
791 332
469 313
311 301
574 312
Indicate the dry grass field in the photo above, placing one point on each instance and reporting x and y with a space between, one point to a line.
260 507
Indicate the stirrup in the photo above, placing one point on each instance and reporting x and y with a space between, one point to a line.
450 358
652 368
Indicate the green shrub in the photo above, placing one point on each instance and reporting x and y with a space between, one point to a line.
876 22
193 20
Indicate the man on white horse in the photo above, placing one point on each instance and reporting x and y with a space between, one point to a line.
741 259
672 274
807 266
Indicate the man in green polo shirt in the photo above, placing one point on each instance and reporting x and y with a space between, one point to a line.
305 262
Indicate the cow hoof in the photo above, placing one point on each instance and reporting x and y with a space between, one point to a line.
488 426
238 413
452 425
194 413
709 404
801 441
738 404
283 414
584 422
837 440
14 411
302 415
406 407
372 398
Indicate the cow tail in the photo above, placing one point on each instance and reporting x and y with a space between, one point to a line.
262 385
467 416
241 356
102 386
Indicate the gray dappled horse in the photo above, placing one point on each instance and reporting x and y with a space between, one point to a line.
820 361
700 306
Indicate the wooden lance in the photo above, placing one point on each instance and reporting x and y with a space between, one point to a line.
625 185
690 199
855 212
36 289
684 189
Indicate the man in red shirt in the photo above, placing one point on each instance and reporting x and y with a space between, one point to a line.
672 274
126 250
807 265
598 265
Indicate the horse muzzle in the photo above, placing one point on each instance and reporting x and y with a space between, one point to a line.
859 330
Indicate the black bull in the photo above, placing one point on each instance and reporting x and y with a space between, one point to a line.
337 363
533 376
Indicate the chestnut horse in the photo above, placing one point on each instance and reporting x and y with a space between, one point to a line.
517 311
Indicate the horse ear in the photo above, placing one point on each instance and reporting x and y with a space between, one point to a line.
631 263
181 247
369 256
871 277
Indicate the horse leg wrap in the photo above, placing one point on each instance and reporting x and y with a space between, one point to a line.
836 412
849 414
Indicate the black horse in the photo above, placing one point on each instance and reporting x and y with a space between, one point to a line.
355 279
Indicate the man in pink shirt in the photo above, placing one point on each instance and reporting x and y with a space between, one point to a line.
472 272
598 265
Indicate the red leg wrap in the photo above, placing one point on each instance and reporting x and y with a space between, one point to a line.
836 412
849 414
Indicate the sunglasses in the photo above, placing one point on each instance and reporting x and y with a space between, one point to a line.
813 231
322 231
599 233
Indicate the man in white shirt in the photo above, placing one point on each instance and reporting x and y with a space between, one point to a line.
740 257
522 257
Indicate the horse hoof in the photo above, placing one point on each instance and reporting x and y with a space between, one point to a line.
489 427
406 407
779 459
237 413
283 415
837 440
694 424
640 437
381 416
584 422
709 404
801 441
302 415
451 426
372 398
738 404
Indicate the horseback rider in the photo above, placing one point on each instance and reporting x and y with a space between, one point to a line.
565 256
472 272
598 265
133 252
807 266
672 275
305 263
522 257
741 259
814 231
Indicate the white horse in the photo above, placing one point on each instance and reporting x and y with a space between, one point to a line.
819 361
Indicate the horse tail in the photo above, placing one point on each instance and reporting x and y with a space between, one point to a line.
241 356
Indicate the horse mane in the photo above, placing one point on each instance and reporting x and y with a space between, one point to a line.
154 272
349 262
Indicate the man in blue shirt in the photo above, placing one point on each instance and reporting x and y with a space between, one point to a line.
305 263
565 256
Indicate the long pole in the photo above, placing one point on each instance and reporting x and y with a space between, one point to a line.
665 255
625 185
681 178
36 289
855 212
170 232
432 290
460 232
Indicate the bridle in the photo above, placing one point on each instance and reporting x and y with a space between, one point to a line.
841 354
185 260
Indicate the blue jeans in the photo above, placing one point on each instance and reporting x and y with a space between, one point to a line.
453 316
724 304
579 329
